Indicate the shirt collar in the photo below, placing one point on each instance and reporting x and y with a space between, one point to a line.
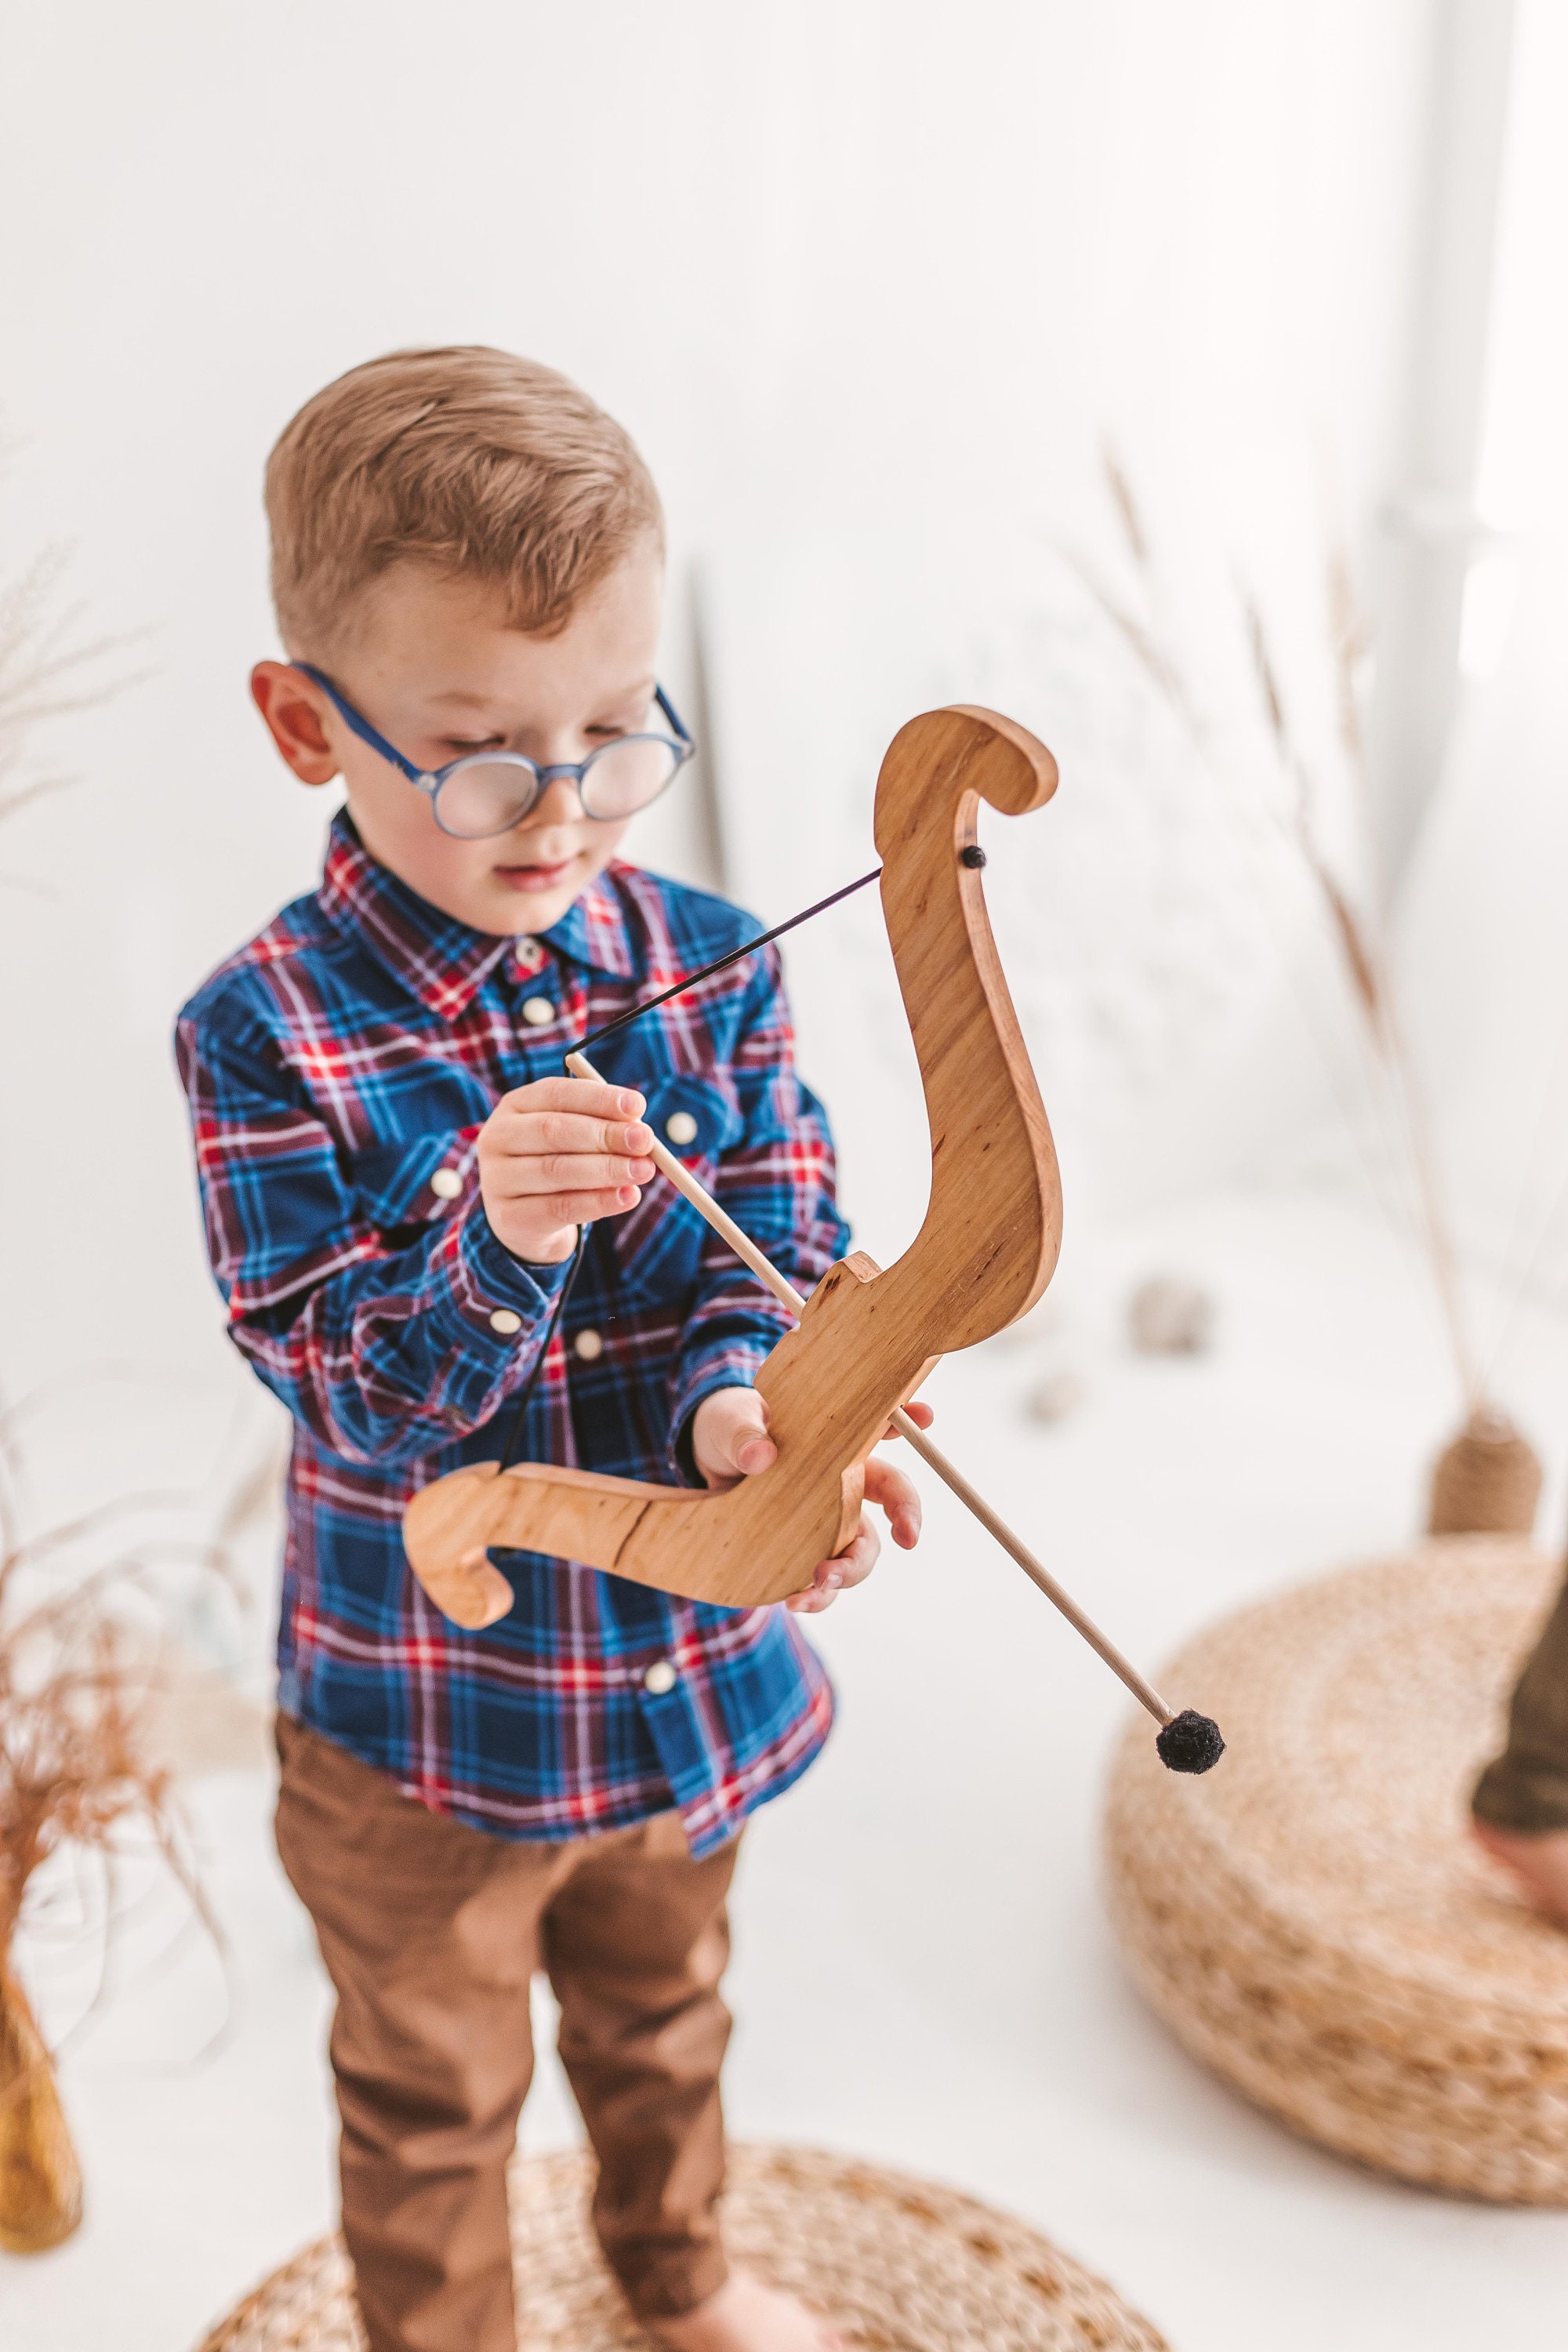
444 961
594 931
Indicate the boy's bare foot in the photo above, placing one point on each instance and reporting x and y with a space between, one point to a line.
747 2316
1539 1862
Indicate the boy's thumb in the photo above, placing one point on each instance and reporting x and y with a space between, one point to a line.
752 1448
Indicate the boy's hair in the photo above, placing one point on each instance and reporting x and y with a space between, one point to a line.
473 463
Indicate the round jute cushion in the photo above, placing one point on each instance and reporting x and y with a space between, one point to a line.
899 2265
1313 1918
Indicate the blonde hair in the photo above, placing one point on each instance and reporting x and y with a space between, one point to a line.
473 463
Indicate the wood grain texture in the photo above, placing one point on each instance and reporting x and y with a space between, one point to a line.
866 1339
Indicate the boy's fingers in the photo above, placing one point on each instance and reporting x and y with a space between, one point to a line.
920 1414
851 1566
854 1564
560 1131
564 1173
583 1097
893 1493
532 1134
581 1208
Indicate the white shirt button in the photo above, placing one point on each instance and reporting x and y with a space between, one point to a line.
538 1011
680 1127
446 1184
660 1678
504 1321
590 1346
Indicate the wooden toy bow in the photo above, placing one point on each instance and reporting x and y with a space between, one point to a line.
866 1338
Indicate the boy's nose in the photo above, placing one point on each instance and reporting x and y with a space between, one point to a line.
558 803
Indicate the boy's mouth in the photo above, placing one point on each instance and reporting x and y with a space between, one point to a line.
535 876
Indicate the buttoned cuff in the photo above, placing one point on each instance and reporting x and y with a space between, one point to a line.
488 1299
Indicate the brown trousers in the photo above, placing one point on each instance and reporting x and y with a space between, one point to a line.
1526 1787
431 1933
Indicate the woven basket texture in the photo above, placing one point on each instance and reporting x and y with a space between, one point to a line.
1313 1918
899 2265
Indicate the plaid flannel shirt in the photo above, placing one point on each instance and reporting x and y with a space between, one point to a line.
338 1070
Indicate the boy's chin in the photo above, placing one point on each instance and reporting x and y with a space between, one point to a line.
509 908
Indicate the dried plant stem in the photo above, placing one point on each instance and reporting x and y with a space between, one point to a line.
1351 639
1359 936
1440 1239
48 671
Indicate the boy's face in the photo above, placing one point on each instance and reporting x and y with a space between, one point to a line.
435 668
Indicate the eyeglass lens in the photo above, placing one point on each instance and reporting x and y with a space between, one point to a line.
481 797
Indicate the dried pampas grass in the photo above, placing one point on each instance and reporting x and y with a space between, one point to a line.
1357 927
86 1660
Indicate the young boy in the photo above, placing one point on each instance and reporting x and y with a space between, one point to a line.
466 569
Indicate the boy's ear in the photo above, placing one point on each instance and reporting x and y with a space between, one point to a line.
296 714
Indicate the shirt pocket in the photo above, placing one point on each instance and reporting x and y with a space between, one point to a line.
658 1248
400 1188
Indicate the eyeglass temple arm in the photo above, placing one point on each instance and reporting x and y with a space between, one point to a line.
362 727
673 716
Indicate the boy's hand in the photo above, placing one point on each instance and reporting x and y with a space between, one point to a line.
555 1155
730 1441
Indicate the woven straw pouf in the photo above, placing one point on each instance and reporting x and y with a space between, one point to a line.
1312 1919
899 2265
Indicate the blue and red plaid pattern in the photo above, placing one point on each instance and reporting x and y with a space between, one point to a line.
338 1070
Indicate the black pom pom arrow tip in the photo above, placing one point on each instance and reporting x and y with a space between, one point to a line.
1190 1743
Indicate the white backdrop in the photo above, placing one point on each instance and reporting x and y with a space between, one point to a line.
894 265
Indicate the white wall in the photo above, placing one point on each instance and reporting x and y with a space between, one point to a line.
858 263
1487 945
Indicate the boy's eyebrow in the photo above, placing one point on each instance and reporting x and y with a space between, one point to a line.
460 695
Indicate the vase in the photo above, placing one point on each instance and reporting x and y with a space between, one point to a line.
1487 1481
40 2180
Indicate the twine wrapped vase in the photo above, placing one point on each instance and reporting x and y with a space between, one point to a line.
1487 1481
899 2265
1313 1919
40 2182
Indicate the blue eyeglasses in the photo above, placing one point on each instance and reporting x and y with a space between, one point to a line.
487 792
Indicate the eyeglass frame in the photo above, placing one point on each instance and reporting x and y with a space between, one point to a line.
430 780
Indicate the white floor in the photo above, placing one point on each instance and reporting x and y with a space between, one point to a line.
924 1972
